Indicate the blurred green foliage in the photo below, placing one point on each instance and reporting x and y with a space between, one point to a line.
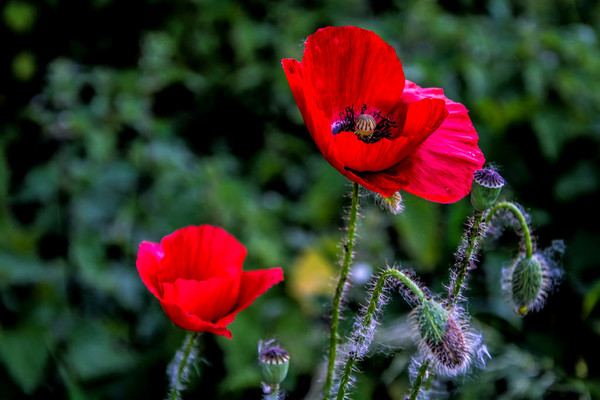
123 121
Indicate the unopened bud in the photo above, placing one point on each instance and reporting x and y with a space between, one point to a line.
392 203
527 282
485 189
431 320
443 335
274 363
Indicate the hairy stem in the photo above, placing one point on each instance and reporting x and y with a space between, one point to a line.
368 319
517 213
176 381
335 312
473 236
419 380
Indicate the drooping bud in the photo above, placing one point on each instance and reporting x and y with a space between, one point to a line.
274 363
432 319
442 335
445 338
528 282
485 189
392 203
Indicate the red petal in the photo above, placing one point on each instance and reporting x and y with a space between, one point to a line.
342 67
317 123
422 118
209 300
255 283
200 253
190 322
148 266
348 66
441 169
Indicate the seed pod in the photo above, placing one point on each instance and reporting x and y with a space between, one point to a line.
274 363
485 189
364 126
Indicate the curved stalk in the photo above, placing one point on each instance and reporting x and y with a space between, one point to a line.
368 318
517 213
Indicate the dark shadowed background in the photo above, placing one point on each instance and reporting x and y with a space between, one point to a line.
121 121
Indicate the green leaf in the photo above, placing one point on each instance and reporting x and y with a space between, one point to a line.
94 352
24 353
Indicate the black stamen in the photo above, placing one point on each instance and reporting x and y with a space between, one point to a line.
348 119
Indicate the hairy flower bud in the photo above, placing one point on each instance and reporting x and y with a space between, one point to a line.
445 338
274 363
392 203
485 189
528 281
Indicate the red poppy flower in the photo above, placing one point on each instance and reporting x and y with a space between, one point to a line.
375 127
196 274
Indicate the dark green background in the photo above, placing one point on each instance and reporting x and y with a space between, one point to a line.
121 121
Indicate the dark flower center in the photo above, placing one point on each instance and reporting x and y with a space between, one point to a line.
369 128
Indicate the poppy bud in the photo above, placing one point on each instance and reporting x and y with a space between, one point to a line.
527 282
485 189
441 334
446 339
391 203
274 363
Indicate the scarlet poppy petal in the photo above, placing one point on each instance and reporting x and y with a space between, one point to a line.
360 156
255 283
148 266
423 117
348 66
441 169
319 126
190 322
200 253
342 67
209 300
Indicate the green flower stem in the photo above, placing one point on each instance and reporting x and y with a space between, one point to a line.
335 313
474 235
419 381
517 213
368 318
176 381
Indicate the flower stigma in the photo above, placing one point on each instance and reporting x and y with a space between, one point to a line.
369 128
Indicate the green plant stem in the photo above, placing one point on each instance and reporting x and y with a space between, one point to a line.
335 312
368 318
188 345
474 234
517 213
419 380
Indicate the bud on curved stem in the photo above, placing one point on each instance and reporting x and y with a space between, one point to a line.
362 336
527 283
